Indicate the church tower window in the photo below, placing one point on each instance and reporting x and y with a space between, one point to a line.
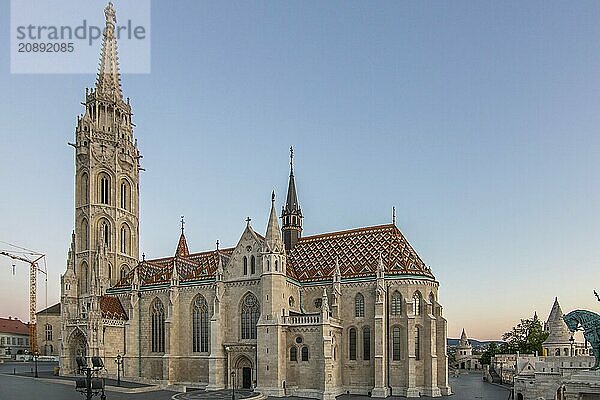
252 265
200 325
84 188
124 271
396 303
105 232
104 189
125 239
158 326
125 195
352 343
293 353
245 265
250 314
84 235
359 305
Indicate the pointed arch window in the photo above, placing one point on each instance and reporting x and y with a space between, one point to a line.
125 195
250 314
396 344
352 343
84 278
417 344
366 343
158 326
200 325
276 265
104 189
125 239
245 265
417 304
124 271
104 232
359 305
396 303
293 353
109 266
252 265
85 188
84 235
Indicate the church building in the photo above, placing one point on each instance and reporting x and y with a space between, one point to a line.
285 314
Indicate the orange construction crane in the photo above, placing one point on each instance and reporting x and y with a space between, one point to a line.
32 258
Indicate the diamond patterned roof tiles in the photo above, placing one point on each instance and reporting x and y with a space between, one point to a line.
312 259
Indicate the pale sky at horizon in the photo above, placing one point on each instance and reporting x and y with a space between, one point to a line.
478 121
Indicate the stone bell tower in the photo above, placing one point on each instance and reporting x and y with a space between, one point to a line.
106 178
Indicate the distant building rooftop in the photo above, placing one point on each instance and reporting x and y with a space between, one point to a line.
13 326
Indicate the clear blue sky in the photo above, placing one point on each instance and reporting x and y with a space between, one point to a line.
478 120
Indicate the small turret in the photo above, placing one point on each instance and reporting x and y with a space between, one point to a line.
182 247
273 235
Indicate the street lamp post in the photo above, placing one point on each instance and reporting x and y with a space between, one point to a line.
501 376
119 362
232 385
35 359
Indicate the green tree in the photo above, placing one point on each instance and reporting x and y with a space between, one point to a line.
526 338
491 350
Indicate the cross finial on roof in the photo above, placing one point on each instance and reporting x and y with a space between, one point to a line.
143 256
248 220
394 215
182 224
291 160
217 244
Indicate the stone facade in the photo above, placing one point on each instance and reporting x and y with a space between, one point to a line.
314 316
48 330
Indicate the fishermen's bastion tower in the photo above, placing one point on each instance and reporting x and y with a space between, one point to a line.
286 314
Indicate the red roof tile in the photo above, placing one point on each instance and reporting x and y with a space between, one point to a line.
357 250
112 308
13 326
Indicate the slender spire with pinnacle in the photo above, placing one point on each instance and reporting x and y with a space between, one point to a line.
291 213
273 235
109 78
182 247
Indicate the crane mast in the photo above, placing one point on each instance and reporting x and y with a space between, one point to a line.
33 269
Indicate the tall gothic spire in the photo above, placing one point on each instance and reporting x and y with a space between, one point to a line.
291 213
292 198
273 235
109 78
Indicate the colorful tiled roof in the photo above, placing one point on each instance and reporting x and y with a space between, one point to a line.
112 308
313 258
193 267
14 326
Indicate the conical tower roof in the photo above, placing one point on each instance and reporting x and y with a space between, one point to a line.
558 331
291 203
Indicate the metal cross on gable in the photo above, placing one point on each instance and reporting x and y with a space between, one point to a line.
182 223
248 220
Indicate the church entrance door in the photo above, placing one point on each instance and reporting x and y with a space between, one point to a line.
246 378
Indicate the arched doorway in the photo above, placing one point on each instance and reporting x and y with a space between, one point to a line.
77 348
243 373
